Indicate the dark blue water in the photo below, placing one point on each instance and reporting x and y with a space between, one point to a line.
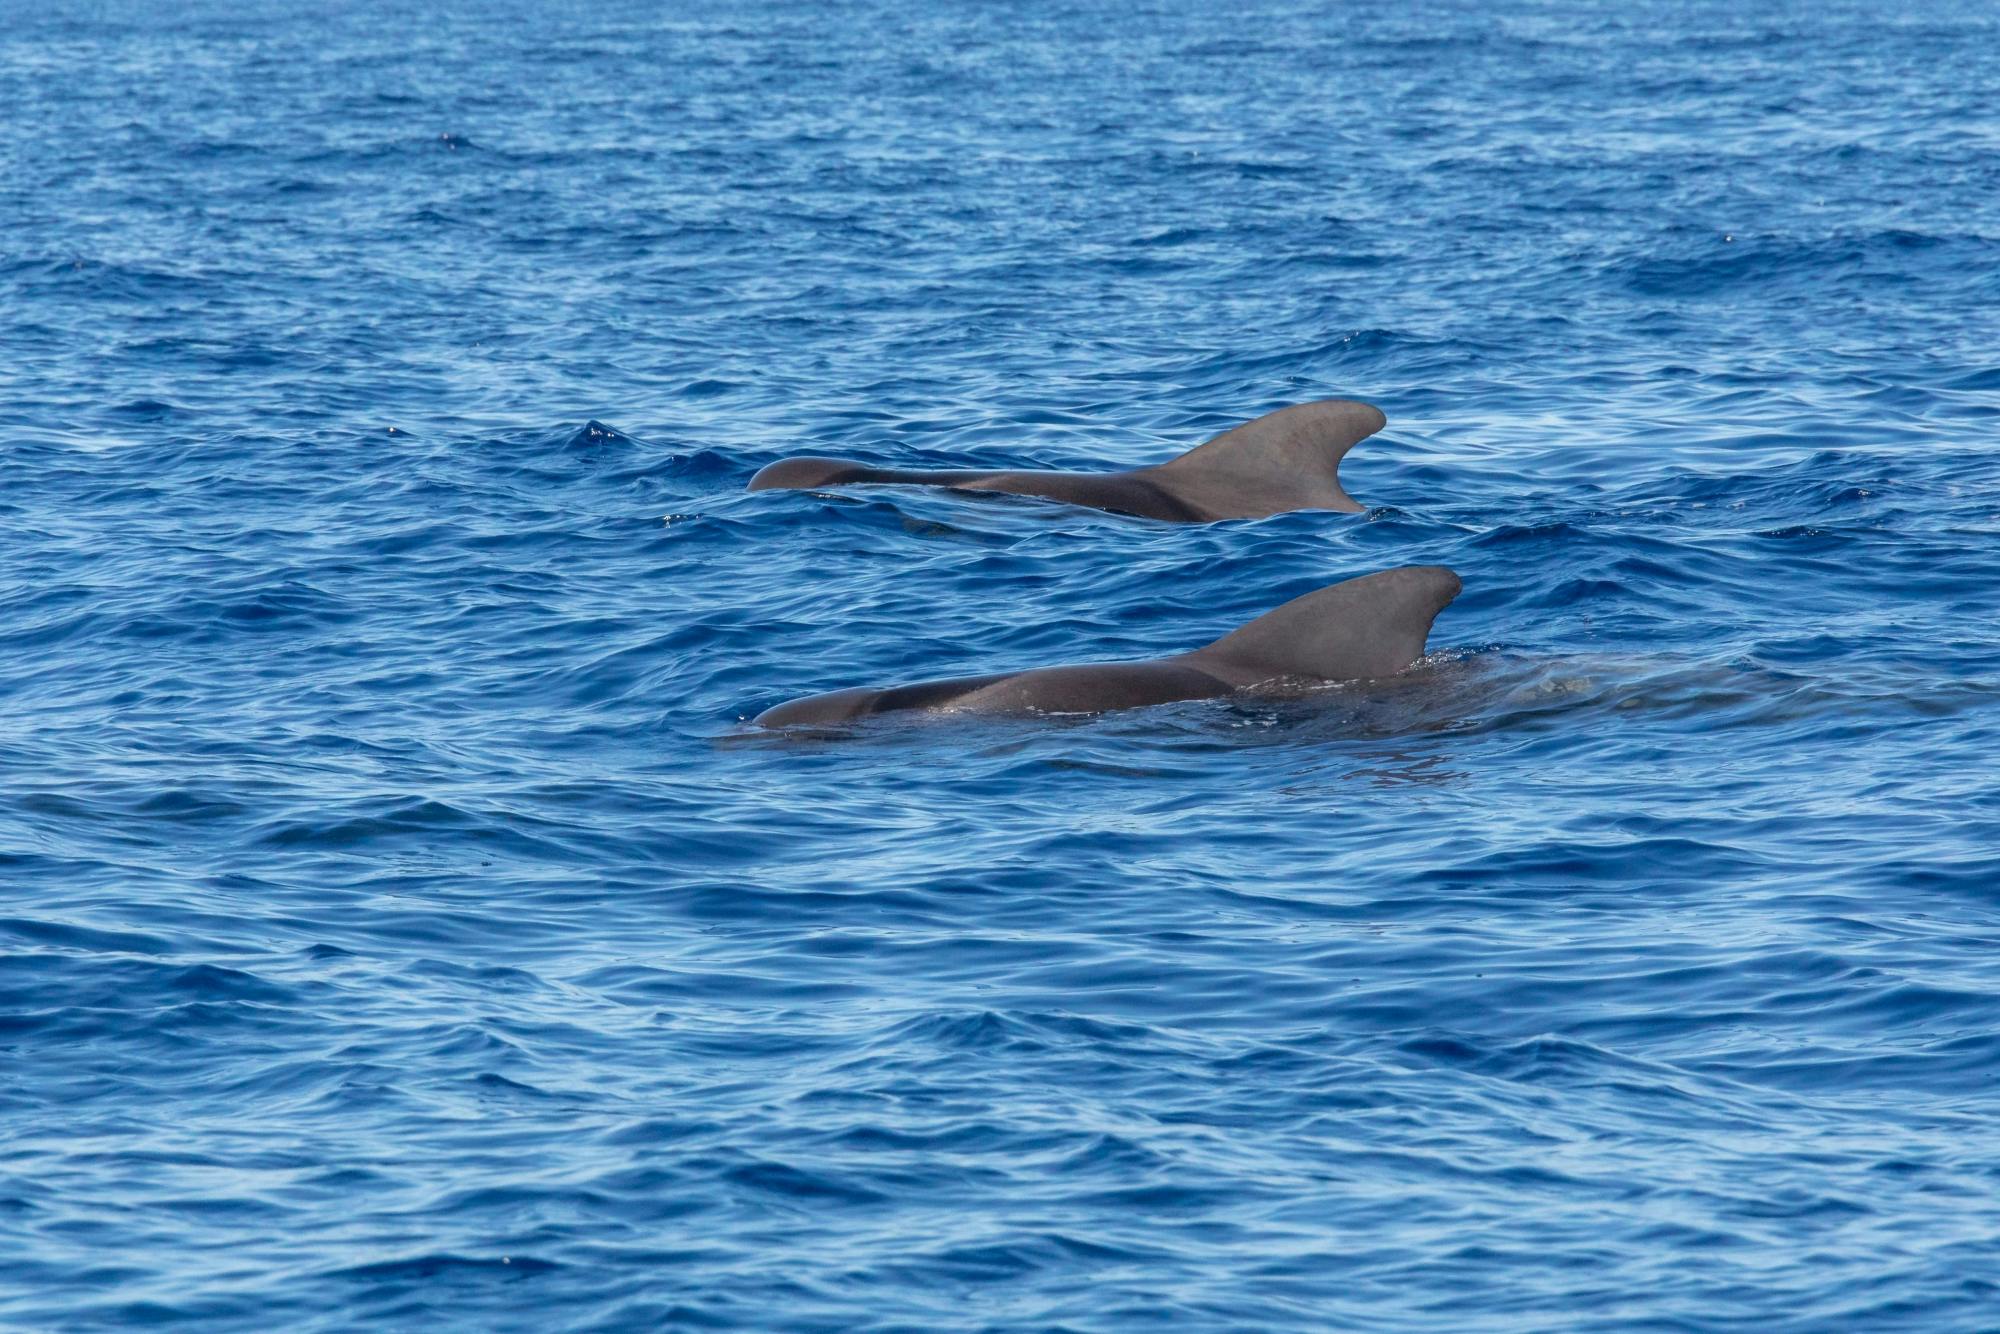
399 924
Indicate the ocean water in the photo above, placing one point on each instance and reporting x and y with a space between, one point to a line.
401 926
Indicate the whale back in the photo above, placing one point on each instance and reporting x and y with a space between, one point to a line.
1284 460
1364 628
1369 627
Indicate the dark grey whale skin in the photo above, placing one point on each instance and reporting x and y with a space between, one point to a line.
1363 629
1285 460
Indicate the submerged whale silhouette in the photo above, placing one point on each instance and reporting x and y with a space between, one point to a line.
1285 460
1364 628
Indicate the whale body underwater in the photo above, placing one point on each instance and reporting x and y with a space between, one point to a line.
1283 461
1364 629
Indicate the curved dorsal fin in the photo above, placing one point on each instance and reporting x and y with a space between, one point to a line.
1284 460
1364 628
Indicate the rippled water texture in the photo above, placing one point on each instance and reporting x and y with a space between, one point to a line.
402 925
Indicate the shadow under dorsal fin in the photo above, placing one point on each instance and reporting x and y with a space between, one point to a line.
1284 460
1364 628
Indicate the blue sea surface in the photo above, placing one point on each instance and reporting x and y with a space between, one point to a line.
402 926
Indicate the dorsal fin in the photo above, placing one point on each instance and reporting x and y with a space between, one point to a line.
1367 627
1284 460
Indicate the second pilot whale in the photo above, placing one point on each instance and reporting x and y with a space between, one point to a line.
1283 461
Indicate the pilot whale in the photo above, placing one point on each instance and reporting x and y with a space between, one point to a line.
1286 460
1365 628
